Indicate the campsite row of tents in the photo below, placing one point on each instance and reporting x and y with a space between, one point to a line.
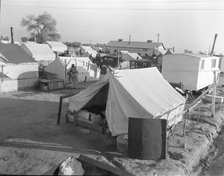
145 92
19 64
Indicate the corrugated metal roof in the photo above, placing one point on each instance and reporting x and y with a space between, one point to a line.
42 49
133 44
15 54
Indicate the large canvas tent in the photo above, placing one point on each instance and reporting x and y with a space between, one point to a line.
42 53
86 69
142 93
18 69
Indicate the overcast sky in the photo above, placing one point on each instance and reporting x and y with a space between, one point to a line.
183 24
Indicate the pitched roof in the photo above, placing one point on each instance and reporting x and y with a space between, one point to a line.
134 55
15 54
57 46
133 44
90 50
41 49
2 75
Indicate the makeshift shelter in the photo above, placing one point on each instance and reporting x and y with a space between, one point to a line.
57 47
127 56
87 70
42 53
141 93
89 50
17 68
193 71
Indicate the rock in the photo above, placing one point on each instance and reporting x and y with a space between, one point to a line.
71 166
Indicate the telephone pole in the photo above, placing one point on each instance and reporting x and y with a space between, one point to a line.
0 12
158 42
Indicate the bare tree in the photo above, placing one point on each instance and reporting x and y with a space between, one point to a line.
41 28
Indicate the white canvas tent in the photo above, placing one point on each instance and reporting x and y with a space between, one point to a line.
85 67
139 93
127 56
89 50
57 47
42 53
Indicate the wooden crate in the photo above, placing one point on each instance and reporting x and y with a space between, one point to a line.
54 84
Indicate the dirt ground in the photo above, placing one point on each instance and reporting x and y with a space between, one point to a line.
32 115
31 142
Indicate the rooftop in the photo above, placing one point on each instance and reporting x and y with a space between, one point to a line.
36 48
13 53
133 44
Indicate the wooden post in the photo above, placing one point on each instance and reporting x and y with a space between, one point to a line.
214 94
59 110
185 119
60 105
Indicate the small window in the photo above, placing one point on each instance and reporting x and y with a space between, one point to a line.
213 63
202 64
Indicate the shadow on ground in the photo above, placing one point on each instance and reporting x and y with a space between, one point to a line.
36 120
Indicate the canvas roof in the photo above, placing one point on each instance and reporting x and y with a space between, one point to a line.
15 54
133 44
39 49
74 60
132 56
90 50
132 93
135 55
4 76
57 46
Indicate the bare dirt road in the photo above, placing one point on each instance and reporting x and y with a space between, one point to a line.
32 115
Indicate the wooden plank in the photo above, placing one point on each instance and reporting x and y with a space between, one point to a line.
103 166
89 125
195 102
48 147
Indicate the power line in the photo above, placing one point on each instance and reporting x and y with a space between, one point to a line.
123 2
107 8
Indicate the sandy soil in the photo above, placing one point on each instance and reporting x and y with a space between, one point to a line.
31 115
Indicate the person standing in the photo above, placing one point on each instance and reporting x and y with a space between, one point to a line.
73 76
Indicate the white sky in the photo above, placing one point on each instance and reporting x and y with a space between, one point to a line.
183 24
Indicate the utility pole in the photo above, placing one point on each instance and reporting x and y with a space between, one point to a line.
158 42
0 13
129 40
12 37
215 72
213 46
